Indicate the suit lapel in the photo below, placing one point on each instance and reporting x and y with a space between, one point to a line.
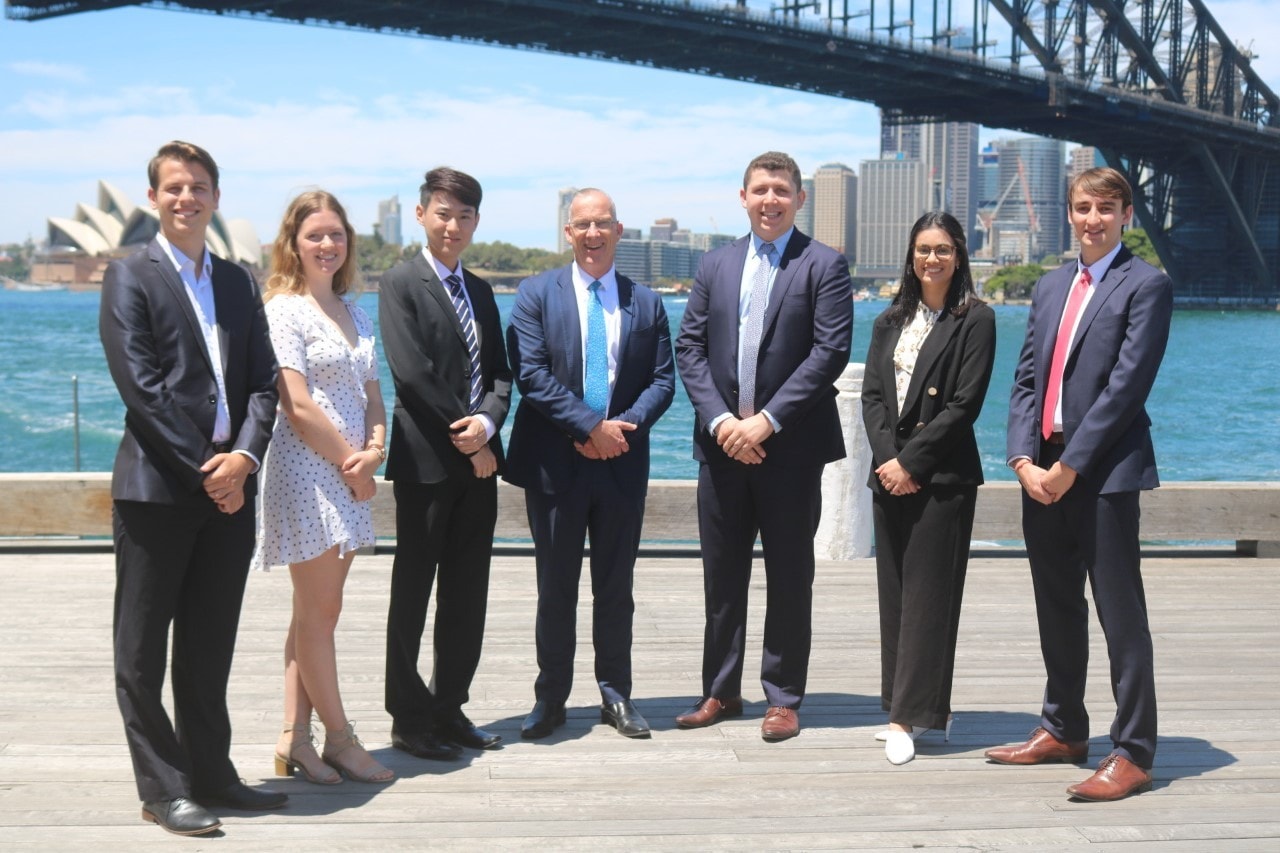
788 267
1102 291
437 292
569 328
1055 303
726 295
627 313
944 329
169 275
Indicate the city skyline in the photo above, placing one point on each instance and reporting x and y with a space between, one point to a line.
284 108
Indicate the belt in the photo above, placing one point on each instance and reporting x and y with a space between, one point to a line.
1055 438
222 447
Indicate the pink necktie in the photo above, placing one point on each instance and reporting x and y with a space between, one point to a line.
1060 348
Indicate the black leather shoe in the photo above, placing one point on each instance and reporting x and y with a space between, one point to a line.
424 745
181 816
624 717
459 731
545 718
240 796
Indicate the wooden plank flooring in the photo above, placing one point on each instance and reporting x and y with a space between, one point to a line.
66 783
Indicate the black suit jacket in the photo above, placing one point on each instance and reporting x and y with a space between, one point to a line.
933 437
157 356
423 341
808 329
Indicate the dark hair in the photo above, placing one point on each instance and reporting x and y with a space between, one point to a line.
1101 181
773 161
186 152
960 295
460 185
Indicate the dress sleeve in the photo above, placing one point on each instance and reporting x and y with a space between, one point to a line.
288 333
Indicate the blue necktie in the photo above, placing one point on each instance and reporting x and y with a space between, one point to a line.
459 300
595 373
753 330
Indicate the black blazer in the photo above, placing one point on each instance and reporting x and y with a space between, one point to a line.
933 438
157 356
808 329
423 342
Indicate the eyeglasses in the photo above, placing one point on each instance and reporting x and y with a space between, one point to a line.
942 253
582 226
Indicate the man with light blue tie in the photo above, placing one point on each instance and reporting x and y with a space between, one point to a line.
591 354
765 334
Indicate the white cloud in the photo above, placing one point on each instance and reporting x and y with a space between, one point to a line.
50 70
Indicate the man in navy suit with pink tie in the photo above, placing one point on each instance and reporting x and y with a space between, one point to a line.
1080 442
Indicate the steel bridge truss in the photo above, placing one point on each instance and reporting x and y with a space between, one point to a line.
1156 85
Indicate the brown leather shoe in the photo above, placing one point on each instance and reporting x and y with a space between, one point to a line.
1117 777
780 723
1041 748
710 711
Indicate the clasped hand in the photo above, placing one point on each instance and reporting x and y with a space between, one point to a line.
357 472
607 440
897 480
1046 486
224 481
742 439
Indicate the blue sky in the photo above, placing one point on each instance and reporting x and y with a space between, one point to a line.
284 107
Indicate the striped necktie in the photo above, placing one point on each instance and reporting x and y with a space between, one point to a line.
459 300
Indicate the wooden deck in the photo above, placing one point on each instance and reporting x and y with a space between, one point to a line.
66 784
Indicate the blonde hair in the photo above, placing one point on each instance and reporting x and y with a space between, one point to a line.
286 267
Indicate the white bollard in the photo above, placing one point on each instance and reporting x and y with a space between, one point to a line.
844 532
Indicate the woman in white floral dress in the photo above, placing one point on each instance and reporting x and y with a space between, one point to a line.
329 441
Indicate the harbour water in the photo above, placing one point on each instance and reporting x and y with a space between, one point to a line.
1215 407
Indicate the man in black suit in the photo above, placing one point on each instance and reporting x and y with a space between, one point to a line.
765 334
592 356
1080 442
186 342
443 341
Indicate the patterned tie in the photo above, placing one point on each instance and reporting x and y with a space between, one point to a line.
1060 348
595 373
473 346
753 330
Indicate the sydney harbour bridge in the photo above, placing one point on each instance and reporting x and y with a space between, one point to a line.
1156 85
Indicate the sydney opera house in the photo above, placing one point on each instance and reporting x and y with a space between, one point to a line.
80 247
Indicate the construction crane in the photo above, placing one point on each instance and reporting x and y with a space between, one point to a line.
987 221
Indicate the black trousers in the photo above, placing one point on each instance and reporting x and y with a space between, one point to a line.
922 554
1093 537
185 567
782 503
444 531
612 515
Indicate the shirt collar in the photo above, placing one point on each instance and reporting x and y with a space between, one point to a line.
442 271
779 245
1099 268
608 281
181 261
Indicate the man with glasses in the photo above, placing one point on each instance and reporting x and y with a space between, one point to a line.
765 335
591 353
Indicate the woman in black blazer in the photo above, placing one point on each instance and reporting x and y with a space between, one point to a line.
926 376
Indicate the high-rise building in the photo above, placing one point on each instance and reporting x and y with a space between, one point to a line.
892 194
388 225
662 229
562 217
1032 181
835 207
804 216
949 151
1080 159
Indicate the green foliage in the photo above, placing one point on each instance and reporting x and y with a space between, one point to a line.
18 264
1140 244
504 257
1014 281
375 256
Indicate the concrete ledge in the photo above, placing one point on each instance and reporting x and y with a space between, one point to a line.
58 504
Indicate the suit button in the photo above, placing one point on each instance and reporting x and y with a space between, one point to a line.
920 425
933 392
213 399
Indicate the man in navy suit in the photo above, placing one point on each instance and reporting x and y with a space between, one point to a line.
765 334
186 342
591 354
1080 442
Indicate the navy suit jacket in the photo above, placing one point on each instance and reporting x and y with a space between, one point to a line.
1108 375
157 356
430 364
808 330
545 345
933 437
